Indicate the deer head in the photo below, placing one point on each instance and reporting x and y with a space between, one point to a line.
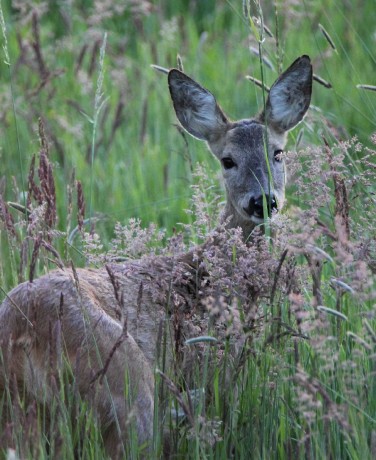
250 150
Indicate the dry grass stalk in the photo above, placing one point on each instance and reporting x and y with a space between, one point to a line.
258 83
322 82
342 208
33 189
54 252
117 291
80 58
366 87
34 257
187 408
102 372
7 218
43 71
45 74
118 119
315 264
80 206
328 37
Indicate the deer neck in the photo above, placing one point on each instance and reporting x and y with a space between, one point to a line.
194 259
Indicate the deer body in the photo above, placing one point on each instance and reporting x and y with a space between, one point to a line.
77 318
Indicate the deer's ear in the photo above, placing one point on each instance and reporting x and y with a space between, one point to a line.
195 107
290 96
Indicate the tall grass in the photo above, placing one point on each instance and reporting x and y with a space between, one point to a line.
304 385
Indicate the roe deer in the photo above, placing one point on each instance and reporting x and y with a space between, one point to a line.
81 309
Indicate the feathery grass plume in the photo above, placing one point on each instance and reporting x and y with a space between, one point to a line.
92 248
44 194
346 264
103 11
132 241
317 401
168 31
204 203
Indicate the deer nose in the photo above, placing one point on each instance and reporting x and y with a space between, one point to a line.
256 206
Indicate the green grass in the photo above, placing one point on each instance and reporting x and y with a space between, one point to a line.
288 389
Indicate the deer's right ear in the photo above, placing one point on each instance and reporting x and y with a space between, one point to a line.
290 96
195 107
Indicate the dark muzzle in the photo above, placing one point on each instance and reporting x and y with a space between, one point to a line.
255 206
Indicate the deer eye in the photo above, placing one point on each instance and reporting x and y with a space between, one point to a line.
228 163
278 155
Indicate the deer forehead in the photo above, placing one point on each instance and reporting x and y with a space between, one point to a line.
248 138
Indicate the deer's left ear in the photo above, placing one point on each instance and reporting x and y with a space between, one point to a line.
290 96
196 107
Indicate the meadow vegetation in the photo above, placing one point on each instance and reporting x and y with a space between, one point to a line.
93 168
